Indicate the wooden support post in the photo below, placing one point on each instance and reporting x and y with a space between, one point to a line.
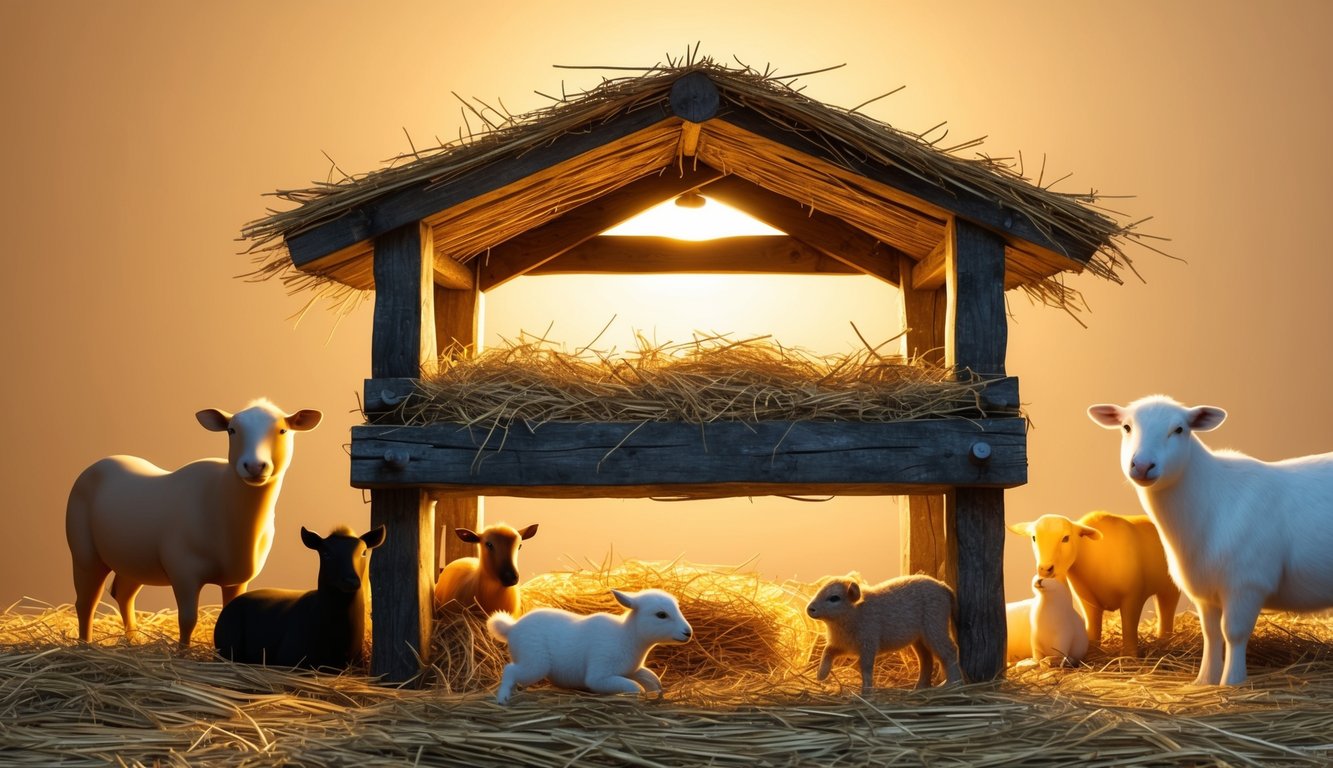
457 324
926 547
976 337
402 344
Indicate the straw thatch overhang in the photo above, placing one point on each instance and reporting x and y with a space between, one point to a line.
535 188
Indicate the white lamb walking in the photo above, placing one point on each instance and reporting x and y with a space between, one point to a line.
1241 534
602 653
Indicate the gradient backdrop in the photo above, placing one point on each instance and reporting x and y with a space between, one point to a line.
137 139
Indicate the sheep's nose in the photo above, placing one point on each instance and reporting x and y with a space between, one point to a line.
1046 570
1140 469
255 468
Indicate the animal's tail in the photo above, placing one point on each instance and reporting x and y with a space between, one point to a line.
499 625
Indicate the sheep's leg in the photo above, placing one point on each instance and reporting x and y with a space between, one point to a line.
89 580
1210 620
124 591
648 679
927 664
1167 600
943 646
1238 618
513 676
826 663
868 670
187 604
614 684
1092 613
230 591
1130 612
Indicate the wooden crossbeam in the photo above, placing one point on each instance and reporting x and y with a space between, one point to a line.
830 235
760 254
526 252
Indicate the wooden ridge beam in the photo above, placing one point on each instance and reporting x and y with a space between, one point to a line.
758 254
527 251
831 235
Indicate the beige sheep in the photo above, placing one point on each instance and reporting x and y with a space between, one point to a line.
908 610
1113 563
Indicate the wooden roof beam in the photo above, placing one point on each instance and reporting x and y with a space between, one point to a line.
452 275
757 254
829 234
527 251
928 274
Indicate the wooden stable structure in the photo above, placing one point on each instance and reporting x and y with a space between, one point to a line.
531 196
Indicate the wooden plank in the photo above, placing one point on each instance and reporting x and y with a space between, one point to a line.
979 525
457 318
537 246
689 138
925 541
928 274
832 236
454 511
449 273
759 254
401 583
417 201
608 456
402 346
403 339
957 200
976 332
694 97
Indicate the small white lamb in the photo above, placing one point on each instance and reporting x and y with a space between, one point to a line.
908 610
1058 634
1241 534
601 652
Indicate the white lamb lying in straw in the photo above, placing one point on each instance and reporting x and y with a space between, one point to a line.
602 653
1057 631
1241 534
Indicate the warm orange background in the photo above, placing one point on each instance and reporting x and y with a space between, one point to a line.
138 138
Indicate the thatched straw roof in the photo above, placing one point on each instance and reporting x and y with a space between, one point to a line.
751 138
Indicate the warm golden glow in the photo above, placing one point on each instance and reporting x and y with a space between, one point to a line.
711 221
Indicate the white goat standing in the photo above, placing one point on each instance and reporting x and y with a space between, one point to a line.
1113 563
1241 534
1057 632
209 522
601 652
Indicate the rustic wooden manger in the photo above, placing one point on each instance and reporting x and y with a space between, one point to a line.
531 195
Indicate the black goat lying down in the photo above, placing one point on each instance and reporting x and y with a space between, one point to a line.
322 628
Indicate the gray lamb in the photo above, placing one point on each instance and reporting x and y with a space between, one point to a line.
908 610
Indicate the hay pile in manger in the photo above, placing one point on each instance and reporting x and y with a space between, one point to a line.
709 378
729 701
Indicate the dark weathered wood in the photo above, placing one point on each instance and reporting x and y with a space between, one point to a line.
978 524
401 582
925 540
537 246
759 254
831 235
976 333
600 457
955 199
403 338
417 201
694 97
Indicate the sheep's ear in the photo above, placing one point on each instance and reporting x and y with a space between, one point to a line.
854 592
1022 529
374 537
1109 416
310 538
469 536
304 420
214 420
1206 417
1087 532
528 532
623 598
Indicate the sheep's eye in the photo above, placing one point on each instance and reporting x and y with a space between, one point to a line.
231 430
661 614
1065 540
490 545
1127 429
834 598
1178 431
1034 538
282 431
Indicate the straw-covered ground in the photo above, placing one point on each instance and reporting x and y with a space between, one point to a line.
742 693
